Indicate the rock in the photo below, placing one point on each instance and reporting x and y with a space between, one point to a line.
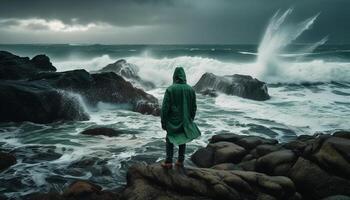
110 132
13 67
128 71
203 157
269 162
227 152
81 188
264 149
334 156
315 183
36 93
238 85
342 134
36 102
153 182
228 137
6 160
250 142
225 166
42 63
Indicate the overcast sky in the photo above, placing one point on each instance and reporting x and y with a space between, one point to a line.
163 21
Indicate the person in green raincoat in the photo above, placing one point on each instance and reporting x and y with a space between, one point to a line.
177 115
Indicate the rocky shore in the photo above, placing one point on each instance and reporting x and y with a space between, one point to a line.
239 167
32 90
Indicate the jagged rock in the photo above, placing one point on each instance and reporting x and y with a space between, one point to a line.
35 102
6 160
315 183
110 132
128 71
43 95
153 182
238 85
209 92
42 63
13 67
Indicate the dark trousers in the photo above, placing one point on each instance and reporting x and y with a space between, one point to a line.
170 152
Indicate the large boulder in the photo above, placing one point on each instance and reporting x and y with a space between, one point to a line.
102 87
238 85
315 183
37 102
128 71
153 182
14 67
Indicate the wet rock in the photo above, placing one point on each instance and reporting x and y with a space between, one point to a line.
14 67
264 149
227 152
238 85
269 162
342 134
228 137
6 160
81 188
110 132
225 166
31 90
250 142
36 102
315 183
128 71
152 182
42 63
203 157
334 156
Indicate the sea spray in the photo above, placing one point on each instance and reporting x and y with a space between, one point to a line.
278 36
73 105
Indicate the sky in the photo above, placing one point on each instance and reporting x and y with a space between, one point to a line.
164 21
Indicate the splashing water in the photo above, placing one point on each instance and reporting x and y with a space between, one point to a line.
277 37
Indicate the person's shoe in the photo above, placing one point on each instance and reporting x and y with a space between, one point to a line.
167 165
179 164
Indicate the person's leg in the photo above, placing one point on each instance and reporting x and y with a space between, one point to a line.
182 149
169 151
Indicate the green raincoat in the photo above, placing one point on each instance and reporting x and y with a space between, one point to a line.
179 109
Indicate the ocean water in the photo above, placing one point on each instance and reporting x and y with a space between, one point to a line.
309 93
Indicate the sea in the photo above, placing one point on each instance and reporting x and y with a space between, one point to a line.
310 93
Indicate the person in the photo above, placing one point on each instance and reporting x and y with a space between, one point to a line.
177 115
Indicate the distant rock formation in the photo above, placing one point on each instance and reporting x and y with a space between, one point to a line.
128 71
31 90
238 85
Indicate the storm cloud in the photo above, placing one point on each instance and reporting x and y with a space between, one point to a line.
163 21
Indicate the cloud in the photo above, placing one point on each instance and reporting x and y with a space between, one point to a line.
37 24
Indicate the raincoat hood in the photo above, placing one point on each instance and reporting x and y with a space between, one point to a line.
179 75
